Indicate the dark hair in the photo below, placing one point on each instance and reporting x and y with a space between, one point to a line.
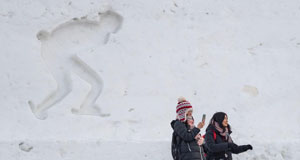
219 118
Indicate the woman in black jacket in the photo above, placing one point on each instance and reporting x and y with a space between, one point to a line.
185 133
218 140
190 145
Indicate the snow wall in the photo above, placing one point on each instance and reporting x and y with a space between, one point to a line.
100 79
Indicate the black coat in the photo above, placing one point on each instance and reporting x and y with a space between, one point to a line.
189 149
219 148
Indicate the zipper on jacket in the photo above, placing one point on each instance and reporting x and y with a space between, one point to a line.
189 147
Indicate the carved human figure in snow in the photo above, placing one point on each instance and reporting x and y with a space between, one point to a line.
60 49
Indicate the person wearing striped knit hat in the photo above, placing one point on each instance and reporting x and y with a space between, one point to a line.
185 134
183 109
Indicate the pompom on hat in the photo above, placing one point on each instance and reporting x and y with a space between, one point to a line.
183 107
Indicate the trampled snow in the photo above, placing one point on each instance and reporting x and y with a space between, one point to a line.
100 79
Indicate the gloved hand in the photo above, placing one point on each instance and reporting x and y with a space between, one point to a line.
242 148
249 147
232 146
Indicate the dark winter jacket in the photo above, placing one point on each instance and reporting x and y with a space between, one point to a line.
189 149
220 149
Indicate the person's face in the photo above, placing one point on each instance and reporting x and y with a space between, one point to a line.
225 121
190 122
189 113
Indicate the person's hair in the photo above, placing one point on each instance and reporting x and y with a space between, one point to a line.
219 117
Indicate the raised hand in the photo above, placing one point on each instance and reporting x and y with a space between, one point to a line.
200 125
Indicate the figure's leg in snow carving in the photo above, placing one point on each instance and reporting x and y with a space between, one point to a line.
88 106
64 87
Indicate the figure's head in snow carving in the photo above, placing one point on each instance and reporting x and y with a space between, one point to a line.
42 35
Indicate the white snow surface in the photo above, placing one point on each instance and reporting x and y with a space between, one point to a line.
239 57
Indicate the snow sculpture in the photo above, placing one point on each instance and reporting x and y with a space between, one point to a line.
59 49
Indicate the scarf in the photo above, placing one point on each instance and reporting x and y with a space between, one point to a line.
222 133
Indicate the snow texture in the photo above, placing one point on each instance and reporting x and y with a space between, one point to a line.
100 79
25 147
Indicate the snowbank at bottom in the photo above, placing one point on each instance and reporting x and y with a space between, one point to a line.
115 150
